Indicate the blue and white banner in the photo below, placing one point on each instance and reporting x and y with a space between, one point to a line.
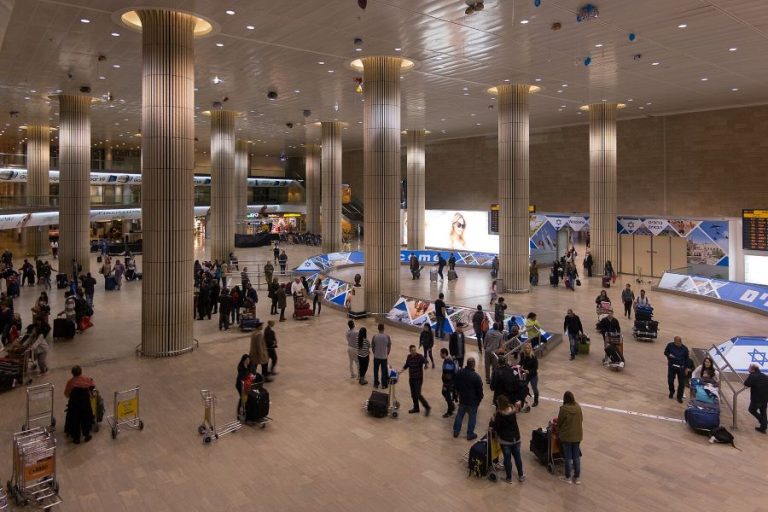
741 352
747 295
325 262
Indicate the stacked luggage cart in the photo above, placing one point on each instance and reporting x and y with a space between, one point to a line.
34 469
40 407
14 367
208 428
645 327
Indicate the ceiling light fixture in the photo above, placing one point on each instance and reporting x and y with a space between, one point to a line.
523 22
358 49
116 66
217 80
219 44
398 49
655 63
599 45
682 25
704 79
732 49
735 89
537 80
559 91
102 77
84 20
115 34
321 62
230 12
250 27
330 71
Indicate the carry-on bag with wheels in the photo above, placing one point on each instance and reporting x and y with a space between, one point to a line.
378 404
61 281
452 275
63 329
110 283
257 404
433 275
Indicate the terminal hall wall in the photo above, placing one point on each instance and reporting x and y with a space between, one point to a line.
704 164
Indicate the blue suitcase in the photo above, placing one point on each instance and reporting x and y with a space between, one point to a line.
110 283
702 417
248 324
643 312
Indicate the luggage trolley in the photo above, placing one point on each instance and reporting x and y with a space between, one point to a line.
393 405
253 390
602 311
492 463
3 500
208 428
40 407
126 411
34 469
614 351
545 445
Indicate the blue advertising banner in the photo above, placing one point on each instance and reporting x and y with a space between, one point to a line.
747 295
324 262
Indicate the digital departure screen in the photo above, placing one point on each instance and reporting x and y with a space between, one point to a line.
755 225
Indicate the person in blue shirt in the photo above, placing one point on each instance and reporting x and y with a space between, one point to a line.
677 360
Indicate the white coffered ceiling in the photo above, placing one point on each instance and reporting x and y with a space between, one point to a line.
717 60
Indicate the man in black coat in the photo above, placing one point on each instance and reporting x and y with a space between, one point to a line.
757 382
456 344
469 387
573 328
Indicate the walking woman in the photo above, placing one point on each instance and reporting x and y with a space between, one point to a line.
569 428
427 341
317 301
531 365
504 423
363 354
243 370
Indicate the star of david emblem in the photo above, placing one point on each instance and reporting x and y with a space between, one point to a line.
758 357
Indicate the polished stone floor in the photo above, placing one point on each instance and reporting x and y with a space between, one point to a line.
322 452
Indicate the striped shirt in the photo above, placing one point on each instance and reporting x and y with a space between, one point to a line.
365 350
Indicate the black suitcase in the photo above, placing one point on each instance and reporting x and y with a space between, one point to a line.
378 404
110 283
257 404
606 282
61 281
553 279
452 275
539 445
63 329
477 460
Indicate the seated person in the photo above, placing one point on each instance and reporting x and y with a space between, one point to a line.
609 325
707 373
603 297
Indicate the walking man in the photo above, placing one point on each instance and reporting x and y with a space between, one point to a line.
283 261
440 317
415 363
469 387
268 271
573 328
456 344
757 382
381 344
628 297
354 364
449 375
677 359
494 338
440 265
270 339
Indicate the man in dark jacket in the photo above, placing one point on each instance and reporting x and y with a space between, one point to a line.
440 265
469 387
588 264
225 309
456 344
573 328
440 316
89 287
413 263
757 382
270 339
415 363
449 375
677 359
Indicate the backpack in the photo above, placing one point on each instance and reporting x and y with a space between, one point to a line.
721 435
477 462
484 324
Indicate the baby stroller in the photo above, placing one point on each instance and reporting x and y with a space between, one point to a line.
301 307
614 351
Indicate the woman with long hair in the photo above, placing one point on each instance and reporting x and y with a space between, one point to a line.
707 373
504 423
570 433
531 365
456 235
363 354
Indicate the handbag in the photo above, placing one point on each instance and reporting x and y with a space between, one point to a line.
578 282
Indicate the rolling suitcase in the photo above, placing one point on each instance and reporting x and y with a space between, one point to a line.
248 324
452 276
539 444
702 417
643 312
378 404
61 281
110 283
433 275
606 282
63 329
554 280
257 404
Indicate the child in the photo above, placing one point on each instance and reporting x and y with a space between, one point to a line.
493 292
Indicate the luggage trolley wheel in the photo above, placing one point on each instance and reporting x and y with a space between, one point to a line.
394 414
201 429
141 425
96 426
207 439
551 468
492 476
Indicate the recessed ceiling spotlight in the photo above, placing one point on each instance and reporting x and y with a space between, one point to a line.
655 63
297 91
330 71
630 100
27 98
321 62
735 89
732 49
219 44
102 77
649 103
641 108
358 49
33 91
116 66
466 94
563 106
682 25
704 79
398 49
523 22
599 45
230 12
538 80
465 89
559 110
564 85
217 80
473 114
559 91
115 34
84 20
250 27
506 80
439 58
442 119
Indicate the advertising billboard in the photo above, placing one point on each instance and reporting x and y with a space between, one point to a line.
459 230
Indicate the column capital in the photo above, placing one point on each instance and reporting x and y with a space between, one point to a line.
371 61
510 87
601 106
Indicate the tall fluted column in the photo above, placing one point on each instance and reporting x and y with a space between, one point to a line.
381 168
415 162
167 197
602 184
241 185
74 182
514 224
223 208
330 186
38 165
312 191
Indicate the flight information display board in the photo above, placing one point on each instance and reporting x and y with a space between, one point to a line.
755 225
